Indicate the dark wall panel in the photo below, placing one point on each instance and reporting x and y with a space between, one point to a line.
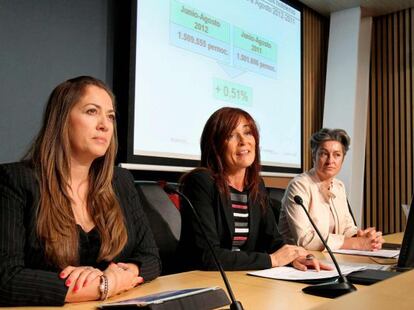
43 43
389 175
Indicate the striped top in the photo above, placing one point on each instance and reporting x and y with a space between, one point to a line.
241 217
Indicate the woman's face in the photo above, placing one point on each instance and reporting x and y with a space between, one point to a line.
329 159
91 125
240 148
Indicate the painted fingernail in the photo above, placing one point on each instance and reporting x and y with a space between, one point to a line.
75 288
62 275
67 282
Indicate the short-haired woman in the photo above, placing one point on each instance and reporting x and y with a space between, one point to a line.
71 226
324 197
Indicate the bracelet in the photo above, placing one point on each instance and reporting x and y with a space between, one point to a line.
104 287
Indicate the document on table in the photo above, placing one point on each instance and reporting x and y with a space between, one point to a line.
292 274
379 253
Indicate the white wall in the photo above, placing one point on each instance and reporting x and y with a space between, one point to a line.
346 97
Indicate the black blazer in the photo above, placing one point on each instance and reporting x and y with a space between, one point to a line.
217 218
25 276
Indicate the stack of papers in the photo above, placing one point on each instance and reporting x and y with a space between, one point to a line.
379 253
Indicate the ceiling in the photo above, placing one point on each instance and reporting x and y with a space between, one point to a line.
370 7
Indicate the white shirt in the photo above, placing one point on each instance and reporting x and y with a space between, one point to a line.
321 204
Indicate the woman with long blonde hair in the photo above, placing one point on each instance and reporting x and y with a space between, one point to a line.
71 225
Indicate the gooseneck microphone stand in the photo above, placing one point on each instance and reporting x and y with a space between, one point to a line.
235 305
330 289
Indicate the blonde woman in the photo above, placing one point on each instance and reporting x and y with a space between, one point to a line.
71 226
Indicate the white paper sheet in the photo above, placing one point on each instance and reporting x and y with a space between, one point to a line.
379 253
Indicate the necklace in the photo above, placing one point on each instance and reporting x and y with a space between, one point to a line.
325 188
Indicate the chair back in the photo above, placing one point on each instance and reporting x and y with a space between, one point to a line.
164 220
276 195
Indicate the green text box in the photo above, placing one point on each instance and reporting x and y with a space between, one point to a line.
191 18
232 92
254 43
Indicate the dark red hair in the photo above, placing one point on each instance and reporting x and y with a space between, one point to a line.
213 145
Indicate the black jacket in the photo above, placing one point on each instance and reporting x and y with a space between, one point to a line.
217 218
25 276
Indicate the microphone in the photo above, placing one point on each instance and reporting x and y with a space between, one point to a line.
235 305
331 289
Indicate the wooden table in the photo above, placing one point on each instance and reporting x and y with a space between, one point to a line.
252 292
394 293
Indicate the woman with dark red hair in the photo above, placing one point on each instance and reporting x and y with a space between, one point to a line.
231 200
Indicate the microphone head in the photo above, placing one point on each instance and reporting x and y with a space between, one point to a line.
169 189
298 200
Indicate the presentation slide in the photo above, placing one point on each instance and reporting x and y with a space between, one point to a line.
195 56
